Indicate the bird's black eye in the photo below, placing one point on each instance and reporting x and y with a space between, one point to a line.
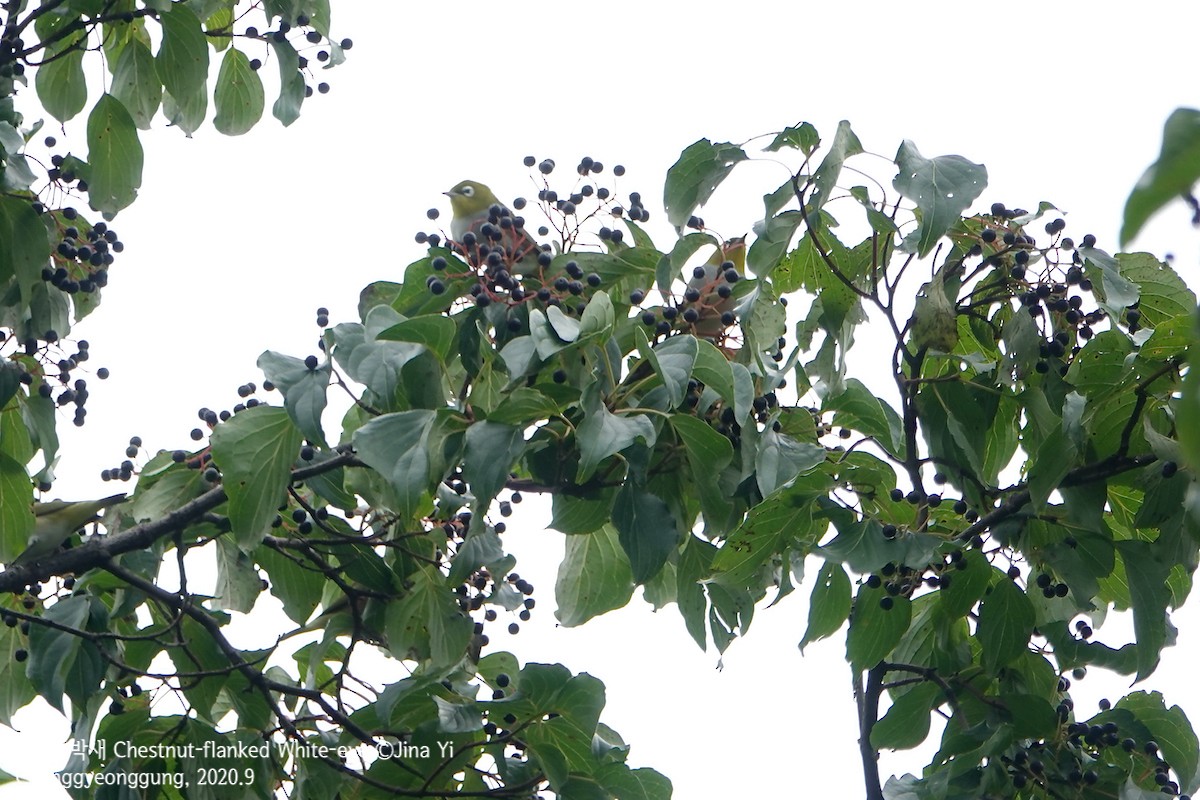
467 191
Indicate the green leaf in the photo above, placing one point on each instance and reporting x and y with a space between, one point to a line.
1173 174
1162 294
603 433
874 630
942 187
963 588
1172 730
1005 623
62 86
1032 717
781 458
598 318
376 363
707 450
1147 573
427 622
634 784
135 83
492 448
299 589
114 156
304 390
858 408
906 723
579 515
524 406
802 137
768 249
239 95
673 360
255 450
593 578
670 265
397 446
713 369
437 333
24 244
692 179
291 84
829 604
769 529
58 658
1055 457
238 582
188 113
183 57
845 144
646 529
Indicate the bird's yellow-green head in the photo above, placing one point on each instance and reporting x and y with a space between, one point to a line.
56 521
471 199
733 250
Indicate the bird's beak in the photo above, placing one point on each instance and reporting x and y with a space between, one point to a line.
448 194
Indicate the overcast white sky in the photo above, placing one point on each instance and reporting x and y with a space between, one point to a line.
235 242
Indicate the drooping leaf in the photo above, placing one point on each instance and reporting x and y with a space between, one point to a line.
594 577
829 605
874 629
844 145
1173 174
491 450
114 156
136 83
906 723
1005 623
647 530
62 85
397 445
291 84
238 97
183 57
304 390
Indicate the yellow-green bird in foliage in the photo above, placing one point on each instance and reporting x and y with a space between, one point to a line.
484 230
55 521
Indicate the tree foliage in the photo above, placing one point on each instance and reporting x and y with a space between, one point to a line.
1003 471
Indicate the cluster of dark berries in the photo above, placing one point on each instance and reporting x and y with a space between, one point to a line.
300 520
80 260
901 580
29 602
1050 285
934 500
126 469
44 363
1050 588
328 52
723 419
1078 759
12 49
511 593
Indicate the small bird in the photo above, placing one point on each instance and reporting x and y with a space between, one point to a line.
484 230
55 521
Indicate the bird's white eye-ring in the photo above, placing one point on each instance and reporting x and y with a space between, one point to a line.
467 191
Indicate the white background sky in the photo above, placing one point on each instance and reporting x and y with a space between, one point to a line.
235 242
